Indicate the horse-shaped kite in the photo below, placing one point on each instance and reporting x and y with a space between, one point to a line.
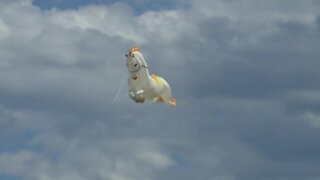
143 86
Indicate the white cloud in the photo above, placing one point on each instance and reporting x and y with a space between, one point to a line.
312 118
305 95
16 163
155 159
4 30
165 25
115 21
64 158
258 11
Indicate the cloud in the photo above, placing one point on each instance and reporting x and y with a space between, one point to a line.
244 75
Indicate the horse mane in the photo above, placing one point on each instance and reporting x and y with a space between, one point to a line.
133 49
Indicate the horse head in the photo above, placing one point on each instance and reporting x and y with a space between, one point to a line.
135 62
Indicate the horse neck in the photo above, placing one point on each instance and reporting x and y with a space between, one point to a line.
143 74
144 71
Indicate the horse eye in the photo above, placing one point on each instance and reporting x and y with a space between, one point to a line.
135 65
126 55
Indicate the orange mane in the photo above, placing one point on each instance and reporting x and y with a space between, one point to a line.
134 49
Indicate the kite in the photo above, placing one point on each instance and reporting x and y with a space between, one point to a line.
143 86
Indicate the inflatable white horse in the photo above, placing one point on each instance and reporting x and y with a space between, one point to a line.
143 86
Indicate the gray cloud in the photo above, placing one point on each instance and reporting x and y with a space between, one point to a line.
244 74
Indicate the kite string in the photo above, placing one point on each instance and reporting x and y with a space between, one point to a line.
122 81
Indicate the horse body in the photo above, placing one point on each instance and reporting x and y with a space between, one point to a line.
143 86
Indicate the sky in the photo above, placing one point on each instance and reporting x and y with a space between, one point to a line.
245 75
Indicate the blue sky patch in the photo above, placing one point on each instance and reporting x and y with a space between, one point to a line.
138 6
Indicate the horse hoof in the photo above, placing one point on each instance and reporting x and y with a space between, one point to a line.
157 99
140 101
172 102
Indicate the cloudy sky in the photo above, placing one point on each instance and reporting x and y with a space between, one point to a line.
245 75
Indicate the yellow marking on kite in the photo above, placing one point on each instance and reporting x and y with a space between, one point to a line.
156 79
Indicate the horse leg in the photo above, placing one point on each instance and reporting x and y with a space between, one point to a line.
166 95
